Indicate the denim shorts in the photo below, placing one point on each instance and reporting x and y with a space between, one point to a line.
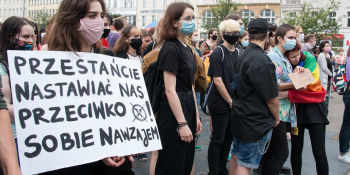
249 154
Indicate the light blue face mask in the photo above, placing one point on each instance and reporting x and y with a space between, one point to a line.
290 44
188 27
245 43
242 29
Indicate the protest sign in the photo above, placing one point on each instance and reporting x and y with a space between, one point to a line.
301 79
75 108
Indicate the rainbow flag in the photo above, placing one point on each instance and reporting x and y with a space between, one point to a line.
314 92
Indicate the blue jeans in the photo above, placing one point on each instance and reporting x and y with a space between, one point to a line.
249 154
344 135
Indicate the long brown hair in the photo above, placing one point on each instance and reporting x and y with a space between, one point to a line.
63 33
172 14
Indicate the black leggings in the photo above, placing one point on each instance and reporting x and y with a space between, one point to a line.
317 136
272 161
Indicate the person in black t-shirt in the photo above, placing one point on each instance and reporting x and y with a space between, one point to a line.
221 70
178 118
255 107
8 152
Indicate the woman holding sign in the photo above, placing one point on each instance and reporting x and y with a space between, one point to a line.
178 118
311 114
77 27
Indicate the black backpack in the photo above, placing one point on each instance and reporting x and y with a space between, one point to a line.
154 84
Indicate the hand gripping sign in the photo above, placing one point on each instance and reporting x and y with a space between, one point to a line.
72 109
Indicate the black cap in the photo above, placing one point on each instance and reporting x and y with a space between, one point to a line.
258 26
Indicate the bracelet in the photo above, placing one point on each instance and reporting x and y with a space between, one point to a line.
181 124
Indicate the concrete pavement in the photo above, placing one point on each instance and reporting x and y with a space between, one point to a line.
309 167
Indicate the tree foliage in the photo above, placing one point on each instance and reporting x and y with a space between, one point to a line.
42 19
316 20
219 12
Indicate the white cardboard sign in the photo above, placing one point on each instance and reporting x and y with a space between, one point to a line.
74 109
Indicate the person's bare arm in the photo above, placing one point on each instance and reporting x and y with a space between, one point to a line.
220 86
6 89
8 152
199 123
274 108
170 90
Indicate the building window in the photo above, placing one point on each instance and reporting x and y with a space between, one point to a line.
333 16
247 14
154 18
165 3
144 3
131 20
207 17
143 20
115 3
269 15
154 3
348 18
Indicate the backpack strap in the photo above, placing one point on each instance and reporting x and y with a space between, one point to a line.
223 54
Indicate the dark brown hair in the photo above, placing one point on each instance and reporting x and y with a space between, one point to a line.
11 27
309 37
63 33
296 48
121 46
172 14
282 30
211 31
322 45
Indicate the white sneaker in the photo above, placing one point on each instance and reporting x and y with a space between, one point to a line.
345 157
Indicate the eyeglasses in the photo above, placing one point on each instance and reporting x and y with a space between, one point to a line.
189 18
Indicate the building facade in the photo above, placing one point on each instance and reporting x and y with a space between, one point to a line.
249 9
125 8
34 8
11 8
291 7
149 11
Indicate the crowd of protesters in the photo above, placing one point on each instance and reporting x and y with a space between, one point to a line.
241 71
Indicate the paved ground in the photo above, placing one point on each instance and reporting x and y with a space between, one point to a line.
335 167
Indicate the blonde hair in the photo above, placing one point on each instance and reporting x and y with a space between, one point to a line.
229 25
297 28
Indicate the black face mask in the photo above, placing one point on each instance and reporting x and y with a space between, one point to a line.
232 39
105 33
214 37
136 43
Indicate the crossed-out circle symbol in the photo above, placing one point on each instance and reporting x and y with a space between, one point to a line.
139 112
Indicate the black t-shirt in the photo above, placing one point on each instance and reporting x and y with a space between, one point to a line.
178 59
225 70
256 84
310 113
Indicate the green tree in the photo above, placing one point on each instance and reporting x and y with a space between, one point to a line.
219 12
316 20
115 15
42 19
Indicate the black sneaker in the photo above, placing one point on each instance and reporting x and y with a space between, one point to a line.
142 157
